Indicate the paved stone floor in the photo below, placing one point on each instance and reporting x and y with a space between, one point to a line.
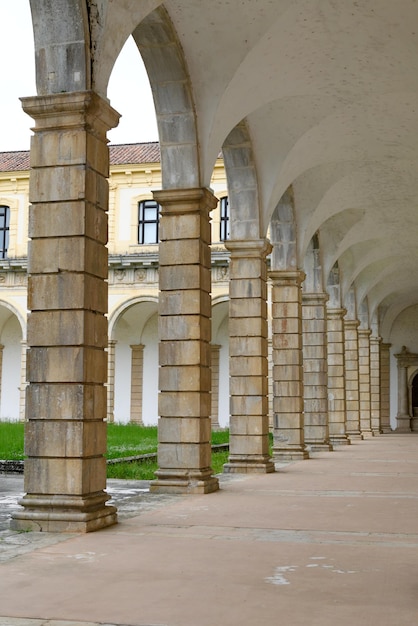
328 541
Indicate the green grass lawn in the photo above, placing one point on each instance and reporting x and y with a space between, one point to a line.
123 440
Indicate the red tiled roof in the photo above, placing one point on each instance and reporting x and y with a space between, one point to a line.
119 155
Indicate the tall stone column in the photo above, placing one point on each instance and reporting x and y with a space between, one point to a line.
314 327
214 412
385 388
23 383
288 426
336 372
352 395
403 417
111 380
364 381
184 450
375 384
249 429
65 469
137 372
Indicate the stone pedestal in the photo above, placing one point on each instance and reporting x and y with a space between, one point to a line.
288 426
314 326
375 384
352 397
385 388
249 431
184 449
65 441
336 373
364 381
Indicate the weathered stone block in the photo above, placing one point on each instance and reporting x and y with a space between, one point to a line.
65 439
67 219
185 378
67 364
66 328
287 357
288 404
187 226
184 277
184 404
184 353
287 326
248 366
249 425
181 328
248 385
248 288
65 476
177 253
188 302
286 310
249 445
183 429
247 327
251 346
67 254
251 406
184 455
66 401
67 291
286 388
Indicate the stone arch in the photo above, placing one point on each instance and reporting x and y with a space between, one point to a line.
241 175
283 234
166 66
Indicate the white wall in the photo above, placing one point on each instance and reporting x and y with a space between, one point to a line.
10 379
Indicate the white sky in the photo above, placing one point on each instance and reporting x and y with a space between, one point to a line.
129 91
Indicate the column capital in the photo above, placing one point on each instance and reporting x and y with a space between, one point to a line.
336 313
375 339
284 277
314 298
182 201
69 110
248 248
351 324
364 332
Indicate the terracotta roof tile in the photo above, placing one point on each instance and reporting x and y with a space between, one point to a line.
119 154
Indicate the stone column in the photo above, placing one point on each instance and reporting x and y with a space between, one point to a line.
111 380
336 372
385 388
288 431
65 469
314 328
375 384
364 381
249 431
215 386
403 418
184 450
270 382
137 372
23 383
352 396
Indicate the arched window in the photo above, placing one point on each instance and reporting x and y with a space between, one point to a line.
4 230
224 222
148 220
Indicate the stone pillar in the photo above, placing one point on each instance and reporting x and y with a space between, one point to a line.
215 386
314 328
352 396
375 384
249 429
137 372
288 431
270 382
111 380
403 418
364 381
385 388
336 372
23 383
65 469
184 450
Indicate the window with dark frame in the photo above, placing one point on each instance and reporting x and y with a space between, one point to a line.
148 221
224 225
4 230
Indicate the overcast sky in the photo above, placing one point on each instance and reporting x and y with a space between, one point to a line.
129 90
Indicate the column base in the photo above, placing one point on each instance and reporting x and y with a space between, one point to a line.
249 465
403 424
414 424
184 482
318 446
289 454
386 430
341 440
70 514
367 434
357 436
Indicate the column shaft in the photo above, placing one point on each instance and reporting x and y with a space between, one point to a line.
23 383
375 384
352 396
249 429
288 421
385 388
403 418
184 450
137 372
314 327
364 381
65 441
336 381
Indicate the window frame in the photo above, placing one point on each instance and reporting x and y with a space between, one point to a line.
143 222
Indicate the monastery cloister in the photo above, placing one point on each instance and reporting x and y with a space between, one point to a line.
312 295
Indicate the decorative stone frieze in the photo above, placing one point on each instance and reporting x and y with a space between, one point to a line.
248 348
184 451
288 417
65 439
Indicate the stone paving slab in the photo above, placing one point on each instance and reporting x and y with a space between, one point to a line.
314 544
